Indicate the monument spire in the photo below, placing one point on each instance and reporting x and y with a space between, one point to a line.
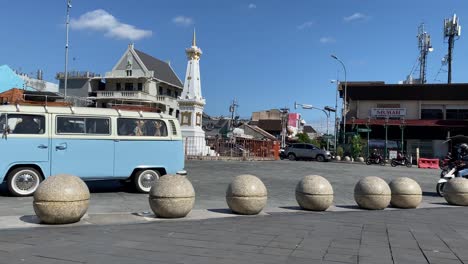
194 39
192 103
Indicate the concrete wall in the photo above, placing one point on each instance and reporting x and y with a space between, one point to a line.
266 115
75 87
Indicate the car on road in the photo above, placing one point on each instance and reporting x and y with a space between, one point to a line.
306 151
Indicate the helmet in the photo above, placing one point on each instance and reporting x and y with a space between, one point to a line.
464 146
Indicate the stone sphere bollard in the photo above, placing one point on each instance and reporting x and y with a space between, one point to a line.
347 158
360 159
456 191
246 195
61 199
314 193
406 193
172 196
338 158
372 193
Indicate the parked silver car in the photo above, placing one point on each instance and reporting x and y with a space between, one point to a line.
306 151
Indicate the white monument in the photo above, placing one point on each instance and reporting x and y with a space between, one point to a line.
191 104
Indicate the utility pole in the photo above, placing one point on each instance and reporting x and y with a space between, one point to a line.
284 124
66 48
452 29
232 110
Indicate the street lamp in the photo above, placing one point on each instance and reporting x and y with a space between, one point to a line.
336 108
65 84
344 98
386 136
368 131
402 127
325 109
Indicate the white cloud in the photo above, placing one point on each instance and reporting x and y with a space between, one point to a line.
354 17
182 20
305 25
326 40
252 6
101 20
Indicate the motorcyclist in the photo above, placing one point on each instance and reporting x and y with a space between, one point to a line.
400 156
463 160
374 154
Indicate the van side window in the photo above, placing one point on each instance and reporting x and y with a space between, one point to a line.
70 125
81 125
25 124
141 127
98 126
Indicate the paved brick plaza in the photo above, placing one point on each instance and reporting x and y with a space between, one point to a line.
394 236
283 234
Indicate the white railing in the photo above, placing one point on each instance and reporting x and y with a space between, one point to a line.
136 95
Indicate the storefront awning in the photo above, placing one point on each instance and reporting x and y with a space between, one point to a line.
411 122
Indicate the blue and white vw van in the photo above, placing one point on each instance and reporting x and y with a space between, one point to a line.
92 143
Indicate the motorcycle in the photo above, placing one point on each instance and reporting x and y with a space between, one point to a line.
378 159
401 162
449 172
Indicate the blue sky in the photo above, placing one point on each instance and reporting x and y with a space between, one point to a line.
266 54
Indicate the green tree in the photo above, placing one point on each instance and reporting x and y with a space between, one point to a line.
356 146
340 151
303 138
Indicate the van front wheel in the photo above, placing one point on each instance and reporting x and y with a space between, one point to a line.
23 181
144 179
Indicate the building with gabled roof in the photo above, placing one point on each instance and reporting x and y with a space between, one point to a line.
137 81
140 79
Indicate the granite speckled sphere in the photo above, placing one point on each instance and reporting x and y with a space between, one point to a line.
246 195
347 158
360 159
338 158
456 191
61 199
372 193
406 193
172 196
314 193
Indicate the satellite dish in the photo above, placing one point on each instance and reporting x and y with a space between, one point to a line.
431 49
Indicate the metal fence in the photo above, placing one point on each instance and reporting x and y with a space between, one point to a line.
234 148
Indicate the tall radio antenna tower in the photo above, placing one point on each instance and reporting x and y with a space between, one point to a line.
452 29
424 44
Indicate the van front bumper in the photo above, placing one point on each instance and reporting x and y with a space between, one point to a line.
182 172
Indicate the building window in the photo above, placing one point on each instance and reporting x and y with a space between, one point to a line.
169 92
432 114
129 72
177 113
160 90
118 87
176 94
140 86
128 86
457 114
171 110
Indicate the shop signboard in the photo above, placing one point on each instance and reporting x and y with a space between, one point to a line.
388 112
